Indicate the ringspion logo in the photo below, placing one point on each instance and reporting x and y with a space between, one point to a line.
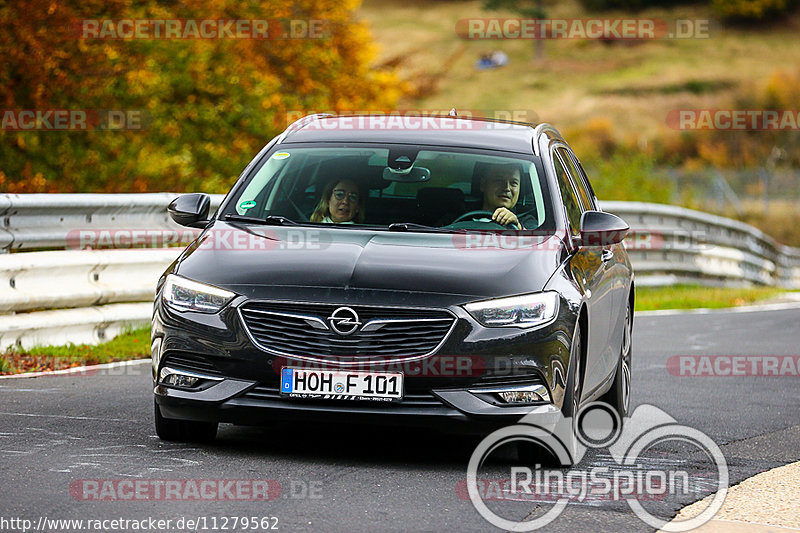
631 478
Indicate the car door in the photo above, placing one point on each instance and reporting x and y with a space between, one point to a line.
617 268
589 272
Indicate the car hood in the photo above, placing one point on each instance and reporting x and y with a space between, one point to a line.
257 260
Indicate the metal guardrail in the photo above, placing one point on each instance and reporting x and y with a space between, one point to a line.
90 292
83 325
48 221
70 279
96 290
670 244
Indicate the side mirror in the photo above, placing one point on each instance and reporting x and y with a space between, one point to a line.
601 229
190 210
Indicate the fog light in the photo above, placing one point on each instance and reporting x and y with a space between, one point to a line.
183 378
520 397
179 380
517 394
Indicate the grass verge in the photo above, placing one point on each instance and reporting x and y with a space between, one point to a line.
634 83
134 344
696 297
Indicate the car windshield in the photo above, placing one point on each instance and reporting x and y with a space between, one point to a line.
416 188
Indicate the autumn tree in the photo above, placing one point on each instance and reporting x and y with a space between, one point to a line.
207 105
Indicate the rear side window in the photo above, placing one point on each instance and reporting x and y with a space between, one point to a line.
577 179
568 196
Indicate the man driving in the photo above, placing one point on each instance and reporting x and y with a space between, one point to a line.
500 188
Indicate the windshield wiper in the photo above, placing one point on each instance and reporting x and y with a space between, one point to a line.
269 220
278 220
410 226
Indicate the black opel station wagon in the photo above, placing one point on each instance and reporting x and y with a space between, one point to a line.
446 271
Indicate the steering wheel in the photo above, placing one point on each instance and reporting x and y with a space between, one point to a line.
475 215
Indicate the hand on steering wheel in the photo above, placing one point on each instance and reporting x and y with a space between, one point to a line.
475 215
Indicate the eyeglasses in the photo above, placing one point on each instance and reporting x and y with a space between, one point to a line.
339 194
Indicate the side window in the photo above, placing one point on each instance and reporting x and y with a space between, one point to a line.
574 210
577 179
586 181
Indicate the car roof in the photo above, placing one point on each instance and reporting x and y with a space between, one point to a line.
465 132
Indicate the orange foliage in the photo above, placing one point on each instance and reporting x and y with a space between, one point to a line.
207 105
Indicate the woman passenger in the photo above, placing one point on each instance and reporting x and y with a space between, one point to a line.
342 202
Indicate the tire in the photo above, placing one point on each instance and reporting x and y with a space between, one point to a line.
532 454
502 437
619 395
183 430
529 453
572 394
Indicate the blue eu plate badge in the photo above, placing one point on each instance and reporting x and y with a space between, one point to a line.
286 380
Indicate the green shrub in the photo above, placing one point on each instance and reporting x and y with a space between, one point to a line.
627 176
6 366
631 5
752 10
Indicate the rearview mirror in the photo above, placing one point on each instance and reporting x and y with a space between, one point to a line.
601 229
190 210
408 175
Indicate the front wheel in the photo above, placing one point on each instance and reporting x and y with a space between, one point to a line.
528 452
572 397
183 430
619 395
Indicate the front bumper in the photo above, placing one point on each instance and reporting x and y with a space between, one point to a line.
437 389
247 403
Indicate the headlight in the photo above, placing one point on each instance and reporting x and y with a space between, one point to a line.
521 311
187 295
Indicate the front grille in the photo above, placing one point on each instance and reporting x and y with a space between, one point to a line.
191 363
303 330
266 393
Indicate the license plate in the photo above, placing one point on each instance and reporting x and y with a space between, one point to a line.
341 385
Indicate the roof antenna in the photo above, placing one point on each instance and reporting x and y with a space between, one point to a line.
453 113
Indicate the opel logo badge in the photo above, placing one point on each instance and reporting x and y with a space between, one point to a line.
344 321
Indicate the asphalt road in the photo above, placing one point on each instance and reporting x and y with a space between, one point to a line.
58 435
